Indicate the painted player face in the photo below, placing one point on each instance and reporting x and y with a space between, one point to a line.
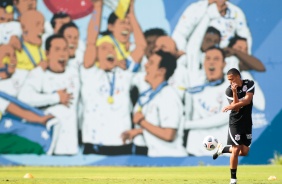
59 22
25 5
153 70
71 34
32 23
214 64
210 40
241 45
12 61
151 41
107 56
58 55
121 30
5 16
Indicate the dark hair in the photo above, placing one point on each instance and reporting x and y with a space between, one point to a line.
217 48
233 71
213 30
155 32
58 15
234 39
65 26
168 62
50 39
5 3
111 20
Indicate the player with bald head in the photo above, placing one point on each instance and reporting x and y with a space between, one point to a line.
32 24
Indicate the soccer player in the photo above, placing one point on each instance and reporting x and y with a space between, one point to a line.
119 31
238 57
159 110
32 24
71 34
56 90
240 96
204 104
224 16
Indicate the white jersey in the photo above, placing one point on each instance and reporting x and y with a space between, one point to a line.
9 29
103 122
179 79
3 106
40 89
165 110
77 61
234 22
11 86
207 118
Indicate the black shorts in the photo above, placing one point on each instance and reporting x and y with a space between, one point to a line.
235 137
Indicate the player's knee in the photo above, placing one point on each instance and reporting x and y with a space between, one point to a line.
236 150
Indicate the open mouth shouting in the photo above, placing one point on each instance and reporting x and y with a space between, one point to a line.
110 58
211 68
71 46
62 62
125 33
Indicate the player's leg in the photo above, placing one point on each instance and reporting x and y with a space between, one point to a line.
234 162
244 150
223 149
246 140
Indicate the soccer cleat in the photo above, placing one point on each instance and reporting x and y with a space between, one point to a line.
218 151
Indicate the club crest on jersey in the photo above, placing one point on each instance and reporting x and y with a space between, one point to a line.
237 137
245 88
249 136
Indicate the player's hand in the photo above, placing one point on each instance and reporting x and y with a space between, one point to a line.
138 117
121 64
44 119
15 43
131 13
227 108
65 97
212 1
229 51
221 6
129 135
234 87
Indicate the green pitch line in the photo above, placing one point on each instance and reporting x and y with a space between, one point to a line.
155 175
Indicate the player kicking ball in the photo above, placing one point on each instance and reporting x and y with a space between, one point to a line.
240 96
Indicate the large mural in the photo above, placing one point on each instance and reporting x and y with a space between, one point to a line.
132 77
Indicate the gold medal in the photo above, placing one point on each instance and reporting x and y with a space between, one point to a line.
110 100
139 109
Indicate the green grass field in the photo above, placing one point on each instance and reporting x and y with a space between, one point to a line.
168 175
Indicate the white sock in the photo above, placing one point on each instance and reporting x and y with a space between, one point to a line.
233 180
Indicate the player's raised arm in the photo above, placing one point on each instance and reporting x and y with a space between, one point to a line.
93 30
139 38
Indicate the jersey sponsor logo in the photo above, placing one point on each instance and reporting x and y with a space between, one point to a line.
237 137
245 88
249 136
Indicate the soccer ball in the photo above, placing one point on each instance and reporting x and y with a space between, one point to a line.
210 142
